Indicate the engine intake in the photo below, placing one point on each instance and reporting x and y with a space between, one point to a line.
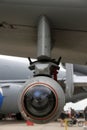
41 100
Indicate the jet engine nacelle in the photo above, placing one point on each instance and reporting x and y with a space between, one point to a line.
41 100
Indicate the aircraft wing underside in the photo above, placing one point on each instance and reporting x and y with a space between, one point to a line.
68 22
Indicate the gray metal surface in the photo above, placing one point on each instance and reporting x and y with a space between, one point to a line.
18 27
55 88
69 81
81 69
44 39
10 101
61 12
14 69
11 90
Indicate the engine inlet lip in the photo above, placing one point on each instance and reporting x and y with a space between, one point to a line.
39 118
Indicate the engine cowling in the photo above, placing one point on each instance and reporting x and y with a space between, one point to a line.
41 100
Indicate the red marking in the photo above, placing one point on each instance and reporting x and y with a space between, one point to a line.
29 123
55 74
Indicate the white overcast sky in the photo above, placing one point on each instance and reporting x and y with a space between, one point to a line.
77 106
